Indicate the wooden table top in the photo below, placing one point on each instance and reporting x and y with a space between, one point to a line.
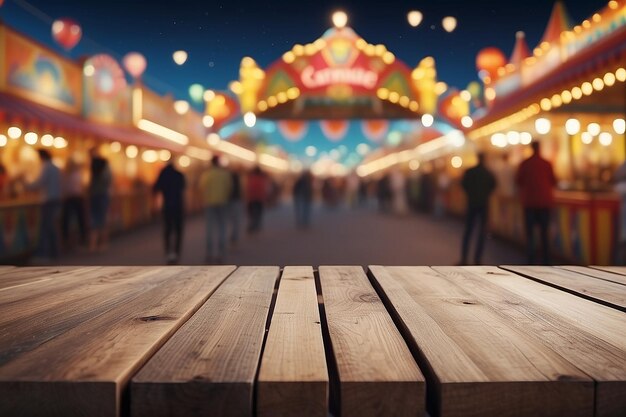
298 341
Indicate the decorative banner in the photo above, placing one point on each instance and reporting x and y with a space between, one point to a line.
293 130
106 96
38 74
339 67
108 76
375 130
334 130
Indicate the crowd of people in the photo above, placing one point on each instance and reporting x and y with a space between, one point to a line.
66 199
78 209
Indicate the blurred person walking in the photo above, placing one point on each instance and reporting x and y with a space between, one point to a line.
619 180
49 184
303 199
256 194
73 202
215 188
171 185
383 193
478 183
99 200
235 207
536 181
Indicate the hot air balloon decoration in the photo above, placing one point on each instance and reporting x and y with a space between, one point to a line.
135 64
489 60
196 92
66 32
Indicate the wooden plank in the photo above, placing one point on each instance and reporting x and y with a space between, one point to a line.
601 291
596 273
12 277
621 270
293 378
49 280
84 371
28 323
587 334
208 367
377 373
478 363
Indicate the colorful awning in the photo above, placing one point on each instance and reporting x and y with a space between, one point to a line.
28 114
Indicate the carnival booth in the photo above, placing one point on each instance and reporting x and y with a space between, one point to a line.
48 101
569 94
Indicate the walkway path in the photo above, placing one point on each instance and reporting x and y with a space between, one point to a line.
341 236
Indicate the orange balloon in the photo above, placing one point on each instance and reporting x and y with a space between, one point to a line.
490 59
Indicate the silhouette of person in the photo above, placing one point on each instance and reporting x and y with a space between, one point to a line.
235 207
73 202
171 185
257 192
478 183
536 181
49 183
303 198
215 188
99 199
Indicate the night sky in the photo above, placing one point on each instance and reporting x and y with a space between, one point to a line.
217 34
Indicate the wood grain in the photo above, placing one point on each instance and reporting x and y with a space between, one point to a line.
377 373
84 371
589 335
208 367
48 279
478 363
621 270
31 322
605 292
13 276
596 273
293 378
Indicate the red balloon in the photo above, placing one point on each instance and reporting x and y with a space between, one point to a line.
66 32
490 59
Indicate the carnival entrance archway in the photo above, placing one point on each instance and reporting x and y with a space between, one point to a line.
340 98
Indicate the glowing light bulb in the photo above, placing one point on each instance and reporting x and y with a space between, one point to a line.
594 129
619 126
542 126
449 23
572 126
340 19
415 18
249 119
180 57
427 120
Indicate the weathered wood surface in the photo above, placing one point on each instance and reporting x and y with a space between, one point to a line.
614 269
588 335
293 378
18 277
490 341
83 371
377 373
602 291
208 367
51 308
596 273
479 363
